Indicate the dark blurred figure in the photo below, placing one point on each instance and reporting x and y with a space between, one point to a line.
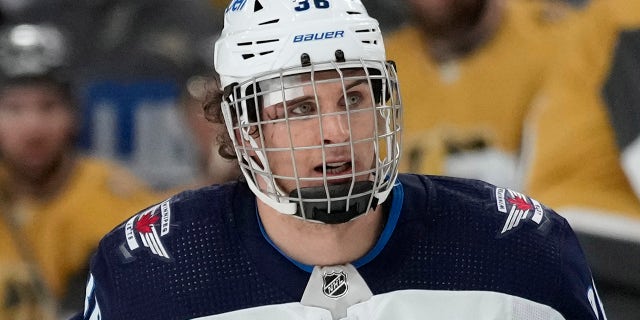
56 204
124 38
209 167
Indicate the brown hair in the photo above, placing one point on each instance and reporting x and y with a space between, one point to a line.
213 113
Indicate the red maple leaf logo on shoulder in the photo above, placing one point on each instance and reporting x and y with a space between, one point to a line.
520 203
143 225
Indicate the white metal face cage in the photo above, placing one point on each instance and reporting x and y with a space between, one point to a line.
283 126
311 104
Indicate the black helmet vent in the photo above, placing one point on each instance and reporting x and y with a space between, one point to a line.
257 6
269 22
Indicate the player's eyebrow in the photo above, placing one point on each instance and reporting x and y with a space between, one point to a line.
294 100
355 83
289 102
348 85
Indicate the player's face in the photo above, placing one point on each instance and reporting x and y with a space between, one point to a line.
36 129
446 16
348 137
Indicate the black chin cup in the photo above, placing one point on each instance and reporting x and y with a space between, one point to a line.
318 211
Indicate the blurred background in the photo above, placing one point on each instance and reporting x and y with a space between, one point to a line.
131 63
128 61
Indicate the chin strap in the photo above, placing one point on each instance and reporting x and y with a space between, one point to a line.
314 205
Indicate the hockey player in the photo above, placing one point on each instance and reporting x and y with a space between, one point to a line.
322 226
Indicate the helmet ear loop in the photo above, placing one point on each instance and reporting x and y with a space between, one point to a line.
381 88
262 164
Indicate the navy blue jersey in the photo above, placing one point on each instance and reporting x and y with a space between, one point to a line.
451 248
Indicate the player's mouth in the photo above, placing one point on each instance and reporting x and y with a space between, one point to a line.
335 168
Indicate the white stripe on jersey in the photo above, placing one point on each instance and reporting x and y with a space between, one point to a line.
91 298
412 304
95 315
89 292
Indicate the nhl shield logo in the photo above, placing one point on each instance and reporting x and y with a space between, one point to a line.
334 284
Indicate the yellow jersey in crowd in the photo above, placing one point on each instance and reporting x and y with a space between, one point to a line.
586 115
51 241
475 105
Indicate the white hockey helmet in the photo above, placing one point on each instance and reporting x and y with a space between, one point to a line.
263 46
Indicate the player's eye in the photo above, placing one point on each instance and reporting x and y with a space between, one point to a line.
353 100
301 109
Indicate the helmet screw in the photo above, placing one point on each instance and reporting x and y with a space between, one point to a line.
305 60
339 56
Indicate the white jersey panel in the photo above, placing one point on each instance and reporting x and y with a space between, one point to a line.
412 304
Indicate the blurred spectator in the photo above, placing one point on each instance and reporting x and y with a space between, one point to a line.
209 166
473 68
22 294
56 204
583 149
128 61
